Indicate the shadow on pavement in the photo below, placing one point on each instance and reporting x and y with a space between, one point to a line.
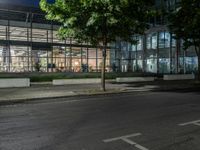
185 86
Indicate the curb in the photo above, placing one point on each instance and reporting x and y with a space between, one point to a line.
24 100
121 91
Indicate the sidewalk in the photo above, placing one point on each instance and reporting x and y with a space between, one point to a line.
46 90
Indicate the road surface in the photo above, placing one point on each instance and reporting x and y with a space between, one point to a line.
149 121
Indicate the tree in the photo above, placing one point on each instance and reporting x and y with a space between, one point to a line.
184 22
99 22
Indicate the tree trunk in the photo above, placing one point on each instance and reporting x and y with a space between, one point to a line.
104 33
197 49
198 73
103 88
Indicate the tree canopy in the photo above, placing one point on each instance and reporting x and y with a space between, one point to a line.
184 22
99 22
94 20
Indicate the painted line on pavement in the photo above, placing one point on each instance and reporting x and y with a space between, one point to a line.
121 137
196 122
127 140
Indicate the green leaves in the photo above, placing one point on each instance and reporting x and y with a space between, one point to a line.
93 20
69 22
184 22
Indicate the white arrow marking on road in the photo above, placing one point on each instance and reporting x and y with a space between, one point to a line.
127 140
196 122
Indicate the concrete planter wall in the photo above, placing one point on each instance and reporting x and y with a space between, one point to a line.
75 81
179 77
135 79
14 82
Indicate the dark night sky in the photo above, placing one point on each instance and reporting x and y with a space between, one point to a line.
33 3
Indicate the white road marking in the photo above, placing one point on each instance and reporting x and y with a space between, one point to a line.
127 140
196 122
121 137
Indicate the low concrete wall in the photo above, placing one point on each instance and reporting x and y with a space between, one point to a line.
179 77
135 79
14 82
76 81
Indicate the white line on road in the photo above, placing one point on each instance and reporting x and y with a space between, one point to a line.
121 137
134 144
196 122
127 140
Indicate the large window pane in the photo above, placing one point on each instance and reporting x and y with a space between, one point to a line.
39 60
92 53
92 65
2 32
161 39
173 41
148 41
76 59
154 41
4 58
108 68
39 35
19 34
59 58
56 38
19 60
139 44
167 39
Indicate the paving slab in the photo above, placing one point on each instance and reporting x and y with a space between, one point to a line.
47 90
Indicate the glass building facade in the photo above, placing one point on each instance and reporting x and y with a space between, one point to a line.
29 43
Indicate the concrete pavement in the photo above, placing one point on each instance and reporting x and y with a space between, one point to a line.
46 90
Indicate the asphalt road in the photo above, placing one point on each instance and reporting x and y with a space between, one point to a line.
151 121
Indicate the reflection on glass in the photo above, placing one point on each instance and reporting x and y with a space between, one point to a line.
19 34
91 53
151 65
161 39
148 42
167 39
56 38
2 32
70 56
154 41
139 44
